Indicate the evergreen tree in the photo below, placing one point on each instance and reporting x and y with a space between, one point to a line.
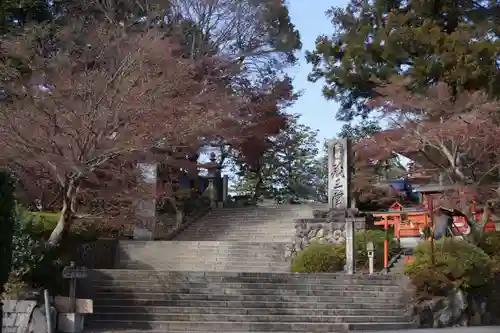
287 166
453 41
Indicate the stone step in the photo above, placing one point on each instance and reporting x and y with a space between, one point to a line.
141 244
242 298
203 256
299 311
237 318
262 260
233 253
135 302
238 277
247 232
247 236
212 268
238 238
250 292
252 285
244 326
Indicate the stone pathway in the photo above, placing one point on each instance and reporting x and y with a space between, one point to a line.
471 329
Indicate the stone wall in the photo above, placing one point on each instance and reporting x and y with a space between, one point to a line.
456 310
326 227
23 317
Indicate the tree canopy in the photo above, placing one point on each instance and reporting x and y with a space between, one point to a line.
455 42
93 87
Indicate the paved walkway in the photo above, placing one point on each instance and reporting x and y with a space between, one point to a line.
473 329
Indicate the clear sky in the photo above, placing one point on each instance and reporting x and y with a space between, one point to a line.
318 113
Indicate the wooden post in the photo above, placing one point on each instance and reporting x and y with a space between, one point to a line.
431 217
386 244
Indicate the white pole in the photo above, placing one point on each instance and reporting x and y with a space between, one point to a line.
48 314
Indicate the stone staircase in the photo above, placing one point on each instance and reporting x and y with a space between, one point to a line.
227 273
162 301
203 256
248 224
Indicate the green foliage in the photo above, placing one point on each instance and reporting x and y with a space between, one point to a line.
46 220
320 258
457 264
490 244
7 221
331 257
28 250
288 166
363 130
377 237
370 41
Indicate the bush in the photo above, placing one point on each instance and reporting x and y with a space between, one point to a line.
490 243
28 250
457 264
331 257
324 258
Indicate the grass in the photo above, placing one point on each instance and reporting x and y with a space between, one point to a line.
46 220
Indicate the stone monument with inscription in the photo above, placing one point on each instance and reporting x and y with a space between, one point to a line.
339 192
339 174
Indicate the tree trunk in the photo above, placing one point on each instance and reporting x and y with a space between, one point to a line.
74 200
258 186
66 218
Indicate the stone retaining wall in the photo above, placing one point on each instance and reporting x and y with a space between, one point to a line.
21 316
329 228
456 310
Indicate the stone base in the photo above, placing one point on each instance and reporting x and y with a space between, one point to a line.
142 234
70 322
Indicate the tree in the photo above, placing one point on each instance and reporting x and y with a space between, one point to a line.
449 41
365 129
286 165
258 33
7 222
105 99
320 174
454 136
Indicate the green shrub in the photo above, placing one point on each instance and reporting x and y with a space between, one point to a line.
457 264
331 257
490 243
325 258
28 250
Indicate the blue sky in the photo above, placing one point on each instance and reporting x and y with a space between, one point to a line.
318 113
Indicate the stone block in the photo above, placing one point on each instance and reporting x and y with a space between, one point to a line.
70 322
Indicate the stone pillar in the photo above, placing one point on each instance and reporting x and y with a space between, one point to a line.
339 174
145 209
225 187
441 178
350 244
212 175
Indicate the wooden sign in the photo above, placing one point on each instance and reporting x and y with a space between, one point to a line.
70 272
82 306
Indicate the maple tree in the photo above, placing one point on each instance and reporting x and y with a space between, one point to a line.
103 101
455 137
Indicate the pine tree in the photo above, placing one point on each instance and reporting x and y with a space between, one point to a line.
452 41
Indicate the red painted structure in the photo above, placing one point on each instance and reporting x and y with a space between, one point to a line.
412 223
